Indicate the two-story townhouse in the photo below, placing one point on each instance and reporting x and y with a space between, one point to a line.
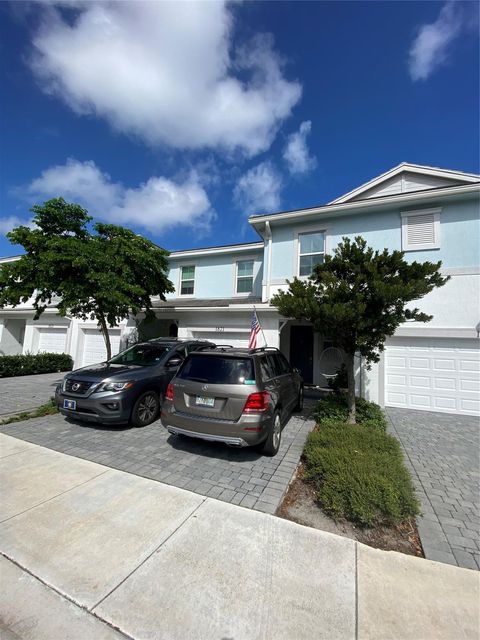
429 213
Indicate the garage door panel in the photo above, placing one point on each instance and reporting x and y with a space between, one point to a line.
94 349
435 375
52 340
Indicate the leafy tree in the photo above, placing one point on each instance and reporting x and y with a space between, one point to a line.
359 297
102 275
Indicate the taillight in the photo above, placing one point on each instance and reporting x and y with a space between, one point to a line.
257 402
169 392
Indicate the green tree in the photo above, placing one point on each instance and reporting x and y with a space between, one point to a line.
101 275
359 297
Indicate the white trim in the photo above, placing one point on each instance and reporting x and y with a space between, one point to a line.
366 205
296 246
410 168
186 295
460 271
405 215
187 253
245 294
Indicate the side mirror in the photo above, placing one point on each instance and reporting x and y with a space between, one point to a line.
295 370
174 363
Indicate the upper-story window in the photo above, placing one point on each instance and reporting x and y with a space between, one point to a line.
187 280
421 229
311 251
244 276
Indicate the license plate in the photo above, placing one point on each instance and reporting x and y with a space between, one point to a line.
205 402
70 404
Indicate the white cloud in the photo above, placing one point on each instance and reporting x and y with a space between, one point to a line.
9 222
296 153
430 48
259 189
157 204
166 72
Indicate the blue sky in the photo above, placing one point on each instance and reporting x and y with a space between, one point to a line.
179 120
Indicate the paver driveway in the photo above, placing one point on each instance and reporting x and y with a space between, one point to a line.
443 454
23 393
239 476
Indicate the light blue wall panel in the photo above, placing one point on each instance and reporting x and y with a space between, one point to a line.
215 274
459 227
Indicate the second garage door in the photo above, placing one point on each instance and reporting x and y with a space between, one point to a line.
52 339
433 375
94 349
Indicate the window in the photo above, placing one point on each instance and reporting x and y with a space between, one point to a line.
187 281
421 230
217 369
267 367
141 355
244 276
311 249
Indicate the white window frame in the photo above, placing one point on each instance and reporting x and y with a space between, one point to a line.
405 215
187 295
235 276
299 233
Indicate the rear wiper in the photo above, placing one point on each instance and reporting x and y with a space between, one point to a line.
199 379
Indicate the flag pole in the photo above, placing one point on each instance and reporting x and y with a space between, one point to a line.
256 313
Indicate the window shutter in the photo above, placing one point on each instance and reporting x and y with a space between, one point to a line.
421 230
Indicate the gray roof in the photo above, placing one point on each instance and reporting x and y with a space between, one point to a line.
206 302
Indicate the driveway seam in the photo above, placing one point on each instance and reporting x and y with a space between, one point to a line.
65 596
39 504
149 555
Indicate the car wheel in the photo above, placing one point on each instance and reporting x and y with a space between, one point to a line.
146 409
299 405
272 443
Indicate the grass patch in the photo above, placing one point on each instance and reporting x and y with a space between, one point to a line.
47 409
358 473
335 407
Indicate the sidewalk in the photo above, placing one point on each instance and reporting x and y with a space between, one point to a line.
92 552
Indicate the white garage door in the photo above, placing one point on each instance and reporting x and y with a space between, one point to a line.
236 339
52 340
94 349
433 375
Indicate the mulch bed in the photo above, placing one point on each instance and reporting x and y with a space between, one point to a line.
300 505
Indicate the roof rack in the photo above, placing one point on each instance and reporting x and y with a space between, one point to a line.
257 349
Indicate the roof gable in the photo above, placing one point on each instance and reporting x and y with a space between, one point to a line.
406 178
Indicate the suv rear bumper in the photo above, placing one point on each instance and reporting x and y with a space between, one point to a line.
248 431
232 441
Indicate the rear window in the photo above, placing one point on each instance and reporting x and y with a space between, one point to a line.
218 370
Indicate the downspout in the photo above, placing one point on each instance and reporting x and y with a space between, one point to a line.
268 234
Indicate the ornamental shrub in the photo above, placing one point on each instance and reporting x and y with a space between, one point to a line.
335 407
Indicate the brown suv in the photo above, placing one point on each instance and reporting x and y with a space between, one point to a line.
238 396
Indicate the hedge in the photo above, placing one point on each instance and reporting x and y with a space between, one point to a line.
358 473
29 364
335 407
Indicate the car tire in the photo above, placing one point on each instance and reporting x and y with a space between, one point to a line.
272 443
299 405
146 409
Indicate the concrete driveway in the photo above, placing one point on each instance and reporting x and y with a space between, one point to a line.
23 393
443 455
92 552
238 476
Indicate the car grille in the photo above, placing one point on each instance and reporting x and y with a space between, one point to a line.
77 386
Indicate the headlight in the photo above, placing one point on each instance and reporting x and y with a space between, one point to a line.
114 386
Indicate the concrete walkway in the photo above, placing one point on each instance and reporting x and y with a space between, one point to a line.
23 393
92 552
443 455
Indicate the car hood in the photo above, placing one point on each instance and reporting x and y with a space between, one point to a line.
103 370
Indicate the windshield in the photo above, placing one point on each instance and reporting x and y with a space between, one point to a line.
142 355
218 370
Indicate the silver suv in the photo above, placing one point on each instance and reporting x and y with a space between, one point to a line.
237 396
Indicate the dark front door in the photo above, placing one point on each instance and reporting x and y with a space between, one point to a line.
301 351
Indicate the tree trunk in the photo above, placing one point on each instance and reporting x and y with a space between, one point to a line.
106 336
350 365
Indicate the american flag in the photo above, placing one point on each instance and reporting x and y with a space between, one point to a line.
255 330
